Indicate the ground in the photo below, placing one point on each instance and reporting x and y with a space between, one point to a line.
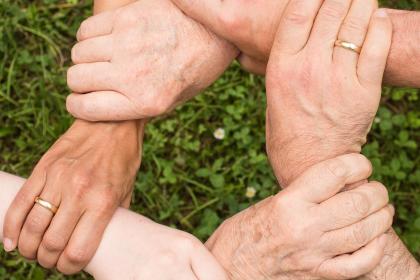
203 162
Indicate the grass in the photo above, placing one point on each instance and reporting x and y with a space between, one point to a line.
189 179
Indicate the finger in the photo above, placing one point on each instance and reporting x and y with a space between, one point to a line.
356 264
372 61
295 26
38 221
327 25
98 25
58 234
97 49
351 206
252 65
90 77
351 238
205 266
354 30
102 106
84 241
21 206
323 180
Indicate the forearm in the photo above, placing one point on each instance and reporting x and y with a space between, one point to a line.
403 65
252 27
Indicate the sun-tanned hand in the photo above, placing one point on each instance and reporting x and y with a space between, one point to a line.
141 61
318 109
87 173
327 102
308 230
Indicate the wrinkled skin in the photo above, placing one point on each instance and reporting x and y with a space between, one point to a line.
87 173
321 107
326 101
308 230
251 26
141 61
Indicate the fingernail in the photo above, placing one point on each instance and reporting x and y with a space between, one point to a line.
8 244
381 13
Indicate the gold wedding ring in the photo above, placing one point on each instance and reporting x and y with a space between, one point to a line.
52 208
348 46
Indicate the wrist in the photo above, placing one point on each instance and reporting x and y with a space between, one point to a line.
291 157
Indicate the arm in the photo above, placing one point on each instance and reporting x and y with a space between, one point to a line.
87 173
329 116
251 26
134 247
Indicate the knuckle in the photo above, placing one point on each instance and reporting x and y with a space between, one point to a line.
108 201
23 198
353 26
231 20
76 256
360 234
35 224
297 17
360 203
156 106
381 191
337 168
81 185
186 242
54 243
335 9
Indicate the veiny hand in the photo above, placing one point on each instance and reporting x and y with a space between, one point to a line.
87 173
322 99
308 230
146 250
141 61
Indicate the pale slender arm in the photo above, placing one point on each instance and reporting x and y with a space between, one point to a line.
134 247
122 224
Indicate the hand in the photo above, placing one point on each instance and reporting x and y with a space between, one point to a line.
249 25
147 250
87 173
141 61
308 230
322 99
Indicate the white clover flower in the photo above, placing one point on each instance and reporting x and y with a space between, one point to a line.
250 192
377 120
219 134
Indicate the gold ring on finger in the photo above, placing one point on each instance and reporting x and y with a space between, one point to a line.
348 46
47 205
